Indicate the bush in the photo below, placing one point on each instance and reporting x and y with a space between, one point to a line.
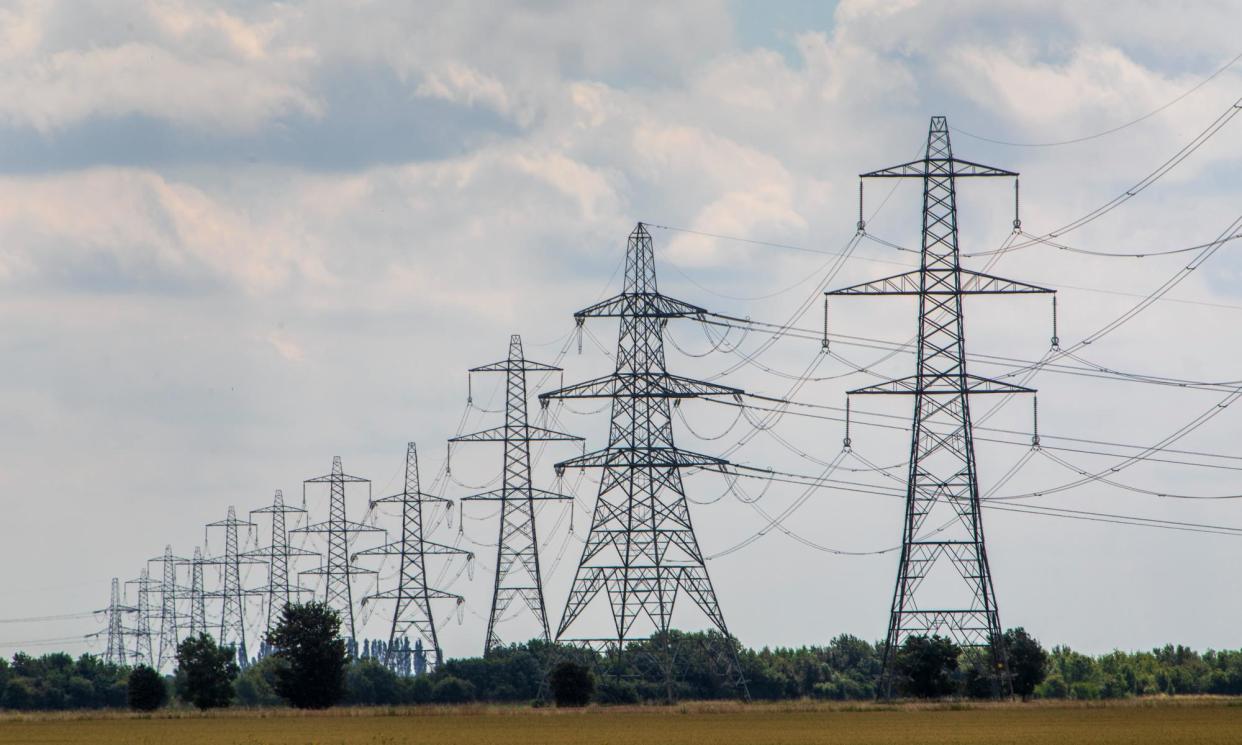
612 690
572 684
450 690
147 690
368 683
416 690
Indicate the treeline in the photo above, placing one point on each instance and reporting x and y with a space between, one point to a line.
689 667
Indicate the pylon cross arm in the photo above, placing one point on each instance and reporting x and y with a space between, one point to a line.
640 305
965 384
641 385
937 167
940 282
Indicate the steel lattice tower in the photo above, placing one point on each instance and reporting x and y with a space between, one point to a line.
233 607
339 571
518 573
143 653
198 604
412 595
115 652
279 592
642 550
942 518
169 592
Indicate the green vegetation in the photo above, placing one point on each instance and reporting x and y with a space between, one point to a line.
572 684
311 658
205 672
147 689
845 669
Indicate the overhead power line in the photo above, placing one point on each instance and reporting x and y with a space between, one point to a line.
1110 130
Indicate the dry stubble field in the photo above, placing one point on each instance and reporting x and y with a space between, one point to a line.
1194 721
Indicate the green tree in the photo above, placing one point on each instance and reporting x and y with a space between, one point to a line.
147 690
572 684
312 655
256 686
925 666
450 690
1028 662
205 672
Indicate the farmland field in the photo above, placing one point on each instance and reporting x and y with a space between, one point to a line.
1193 721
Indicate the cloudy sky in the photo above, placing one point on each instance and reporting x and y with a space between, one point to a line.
239 238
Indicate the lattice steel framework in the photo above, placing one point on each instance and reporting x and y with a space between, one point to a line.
412 596
232 594
142 653
942 517
518 573
641 550
339 571
115 652
198 601
278 553
169 593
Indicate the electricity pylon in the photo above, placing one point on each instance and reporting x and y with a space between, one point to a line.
339 571
412 607
142 653
278 553
115 652
198 604
169 592
518 573
942 518
231 593
642 550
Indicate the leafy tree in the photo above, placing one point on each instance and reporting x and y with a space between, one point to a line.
1028 662
572 684
312 655
147 690
256 686
925 666
205 672
450 690
369 683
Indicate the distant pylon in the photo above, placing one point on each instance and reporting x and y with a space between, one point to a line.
198 603
518 574
339 572
231 593
279 591
412 596
141 633
169 592
642 550
943 517
115 652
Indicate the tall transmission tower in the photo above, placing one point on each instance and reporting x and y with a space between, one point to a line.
231 593
278 553
339 571
142 652
115 652
518 574
642 550
169 593
412 595
943 520
198 604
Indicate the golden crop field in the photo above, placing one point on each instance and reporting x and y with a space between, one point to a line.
1190 721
